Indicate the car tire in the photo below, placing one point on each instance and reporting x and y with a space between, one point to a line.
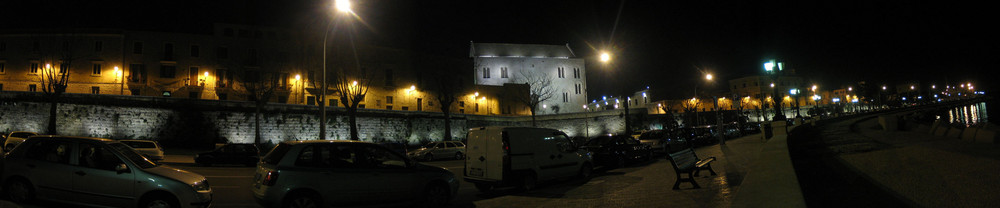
528 182
436 195
586 171
19 191
459 156
428 157
159 201
303 200
482 187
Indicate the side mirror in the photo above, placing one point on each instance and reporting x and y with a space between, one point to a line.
121 168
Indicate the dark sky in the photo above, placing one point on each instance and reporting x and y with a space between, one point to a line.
660 44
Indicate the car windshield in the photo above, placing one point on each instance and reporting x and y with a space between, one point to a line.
130 154
22 134
431 145
139 144
276 154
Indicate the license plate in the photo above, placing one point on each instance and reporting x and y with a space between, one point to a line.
476 172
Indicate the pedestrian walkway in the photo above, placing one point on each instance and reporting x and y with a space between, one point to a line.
649 185
923 169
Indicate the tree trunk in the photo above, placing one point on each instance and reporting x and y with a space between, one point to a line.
353 119
447 126
53 105
256 124
533 124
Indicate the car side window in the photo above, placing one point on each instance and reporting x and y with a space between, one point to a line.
564 144
451 145
51 151
97 157
378 157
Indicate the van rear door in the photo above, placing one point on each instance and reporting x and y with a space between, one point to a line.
484 154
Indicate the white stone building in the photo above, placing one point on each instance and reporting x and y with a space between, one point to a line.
497 64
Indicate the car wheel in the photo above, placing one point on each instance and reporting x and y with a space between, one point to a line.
308 200
19 191
459 156
428 157
159 201
436 195
586 171
528 182
482 187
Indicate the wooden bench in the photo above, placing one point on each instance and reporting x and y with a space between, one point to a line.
685 161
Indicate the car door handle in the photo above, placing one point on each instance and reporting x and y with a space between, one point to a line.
80 173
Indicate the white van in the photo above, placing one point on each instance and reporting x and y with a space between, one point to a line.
521 156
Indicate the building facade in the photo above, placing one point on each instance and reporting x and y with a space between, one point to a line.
496 64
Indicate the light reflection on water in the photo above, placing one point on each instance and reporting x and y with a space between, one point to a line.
968 115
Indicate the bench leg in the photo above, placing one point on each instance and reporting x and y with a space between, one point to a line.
695 183
710 169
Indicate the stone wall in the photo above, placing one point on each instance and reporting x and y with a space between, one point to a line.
187 122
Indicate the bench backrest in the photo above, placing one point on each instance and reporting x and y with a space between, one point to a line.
684 159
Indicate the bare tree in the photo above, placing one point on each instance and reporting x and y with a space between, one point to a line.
539 90
352 86
667 109
691 109
447 81
56 49
258 87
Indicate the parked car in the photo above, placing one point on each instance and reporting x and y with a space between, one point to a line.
15 138
751 128
522 156
616 151
97 172
150 149
437 150
241 154
324 173
663 141
700 135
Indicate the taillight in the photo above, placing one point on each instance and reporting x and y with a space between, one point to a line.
270 178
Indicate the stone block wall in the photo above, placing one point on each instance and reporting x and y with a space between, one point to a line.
185 122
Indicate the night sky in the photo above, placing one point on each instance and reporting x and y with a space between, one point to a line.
660 44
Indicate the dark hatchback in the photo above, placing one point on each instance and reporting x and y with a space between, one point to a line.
240 154
665 140
617 150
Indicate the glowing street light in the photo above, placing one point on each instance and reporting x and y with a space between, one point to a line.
343 6
708 76
605 57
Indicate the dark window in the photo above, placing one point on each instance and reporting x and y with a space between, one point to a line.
97 70
576 73
405 108
577 89
1 86
310 100
65 46
98 46
34 68
168 51
461 103
244 34
503 72
34 46
477 107
32 88
222 96
95 90
565 97
137 48
486 73
222 52
333 102
388 99
3 68
167 71
420 104
137 73
194 95
135 91
258 34
50 150
3 46
195 51
388 107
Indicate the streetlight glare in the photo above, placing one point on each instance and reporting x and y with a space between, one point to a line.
343 6
708 76
298 77
605 57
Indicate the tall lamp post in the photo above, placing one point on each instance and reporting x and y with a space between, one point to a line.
343 6
605 58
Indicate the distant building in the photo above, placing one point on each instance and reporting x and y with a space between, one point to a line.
496 64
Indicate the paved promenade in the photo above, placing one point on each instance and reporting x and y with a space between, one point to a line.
922 169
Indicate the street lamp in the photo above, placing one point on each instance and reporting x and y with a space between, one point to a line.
605 58
343 6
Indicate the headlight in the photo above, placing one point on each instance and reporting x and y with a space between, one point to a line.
201 185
